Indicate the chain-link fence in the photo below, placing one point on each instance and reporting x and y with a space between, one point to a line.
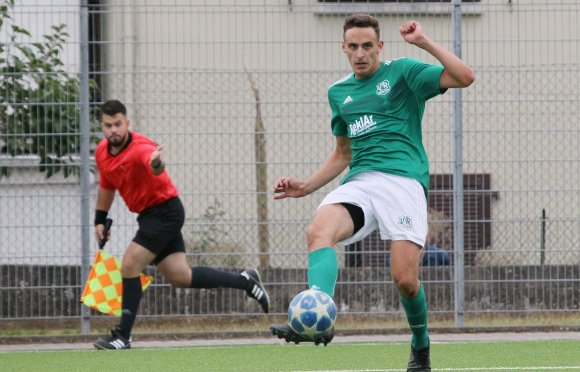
236 91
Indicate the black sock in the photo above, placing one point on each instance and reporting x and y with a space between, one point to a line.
206 277
132 293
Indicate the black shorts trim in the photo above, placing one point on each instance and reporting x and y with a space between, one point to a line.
357 215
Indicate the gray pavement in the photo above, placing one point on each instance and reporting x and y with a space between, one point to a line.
435 338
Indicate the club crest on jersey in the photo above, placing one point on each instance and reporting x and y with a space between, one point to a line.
383 88
406 222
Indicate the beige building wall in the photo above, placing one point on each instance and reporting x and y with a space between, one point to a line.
185 70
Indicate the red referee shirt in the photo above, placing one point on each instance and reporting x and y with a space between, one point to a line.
130 173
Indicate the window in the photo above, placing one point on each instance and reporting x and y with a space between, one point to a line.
395 1
478 196
390 7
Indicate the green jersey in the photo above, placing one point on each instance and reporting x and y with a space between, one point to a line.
382 117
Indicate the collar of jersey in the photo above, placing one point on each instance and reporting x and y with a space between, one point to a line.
122 149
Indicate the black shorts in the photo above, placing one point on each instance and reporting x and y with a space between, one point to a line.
160 229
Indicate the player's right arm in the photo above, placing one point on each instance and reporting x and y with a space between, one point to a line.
329 170
105 199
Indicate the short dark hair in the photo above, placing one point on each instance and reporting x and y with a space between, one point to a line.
112 107
362 21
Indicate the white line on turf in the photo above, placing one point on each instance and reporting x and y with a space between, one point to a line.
554 368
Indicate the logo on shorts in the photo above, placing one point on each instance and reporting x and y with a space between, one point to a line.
406 222
383 87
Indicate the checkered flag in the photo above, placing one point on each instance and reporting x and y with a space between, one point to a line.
104 288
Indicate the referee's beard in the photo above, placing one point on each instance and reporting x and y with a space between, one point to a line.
116 140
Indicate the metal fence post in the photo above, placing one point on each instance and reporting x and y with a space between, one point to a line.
85 166
458 219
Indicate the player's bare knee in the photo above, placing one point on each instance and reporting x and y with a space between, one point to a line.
129 270
406 284
313 234
179 280
320 235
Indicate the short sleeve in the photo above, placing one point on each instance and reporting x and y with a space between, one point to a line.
423 78
103 181
337 123
145 151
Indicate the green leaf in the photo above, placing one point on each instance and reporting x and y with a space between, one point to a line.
18 30
4 172
27 52
39 47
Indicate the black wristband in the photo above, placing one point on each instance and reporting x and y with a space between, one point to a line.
100 217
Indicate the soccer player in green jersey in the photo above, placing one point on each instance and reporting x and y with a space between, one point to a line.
376 119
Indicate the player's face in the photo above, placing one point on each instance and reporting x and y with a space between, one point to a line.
362 47
116 129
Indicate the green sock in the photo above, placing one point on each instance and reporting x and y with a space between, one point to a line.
323 270
416 310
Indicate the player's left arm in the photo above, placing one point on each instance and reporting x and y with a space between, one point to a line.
456 73
155 162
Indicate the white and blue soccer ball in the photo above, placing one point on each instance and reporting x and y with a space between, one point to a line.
311 312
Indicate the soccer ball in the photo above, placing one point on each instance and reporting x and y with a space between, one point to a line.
311 312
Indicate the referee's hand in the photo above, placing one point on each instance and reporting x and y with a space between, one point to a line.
155 161
155 158
103 232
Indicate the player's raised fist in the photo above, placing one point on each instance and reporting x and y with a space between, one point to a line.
411 31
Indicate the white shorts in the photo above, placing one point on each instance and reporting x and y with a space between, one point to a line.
393 204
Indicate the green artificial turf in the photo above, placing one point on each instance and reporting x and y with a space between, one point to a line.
456 356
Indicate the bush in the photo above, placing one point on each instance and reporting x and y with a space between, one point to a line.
40 100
